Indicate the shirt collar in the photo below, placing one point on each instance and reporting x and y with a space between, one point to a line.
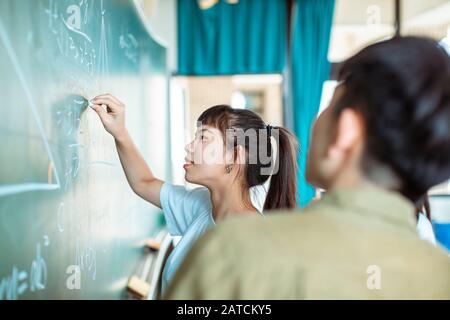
375 202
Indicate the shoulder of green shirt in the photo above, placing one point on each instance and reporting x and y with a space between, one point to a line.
228 252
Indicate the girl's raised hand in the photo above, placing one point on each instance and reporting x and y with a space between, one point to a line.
113 116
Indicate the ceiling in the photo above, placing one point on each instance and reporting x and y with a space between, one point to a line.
358 23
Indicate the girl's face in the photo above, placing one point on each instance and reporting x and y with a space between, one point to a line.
206 157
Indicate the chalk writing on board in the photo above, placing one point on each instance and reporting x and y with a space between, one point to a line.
67 26
86 10
85 258
73 167
26 187
52 12
38 271
60 217
71 28
129 44
99 162
73 155
66 123
46 240
19 281
103 65
13 286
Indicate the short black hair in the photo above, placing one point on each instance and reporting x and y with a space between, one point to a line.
401 87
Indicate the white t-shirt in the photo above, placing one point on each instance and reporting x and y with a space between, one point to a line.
425 229
188 214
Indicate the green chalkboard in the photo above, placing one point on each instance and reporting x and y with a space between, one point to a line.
64 202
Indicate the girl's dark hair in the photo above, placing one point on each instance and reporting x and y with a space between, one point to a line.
423 206
401 87
283 184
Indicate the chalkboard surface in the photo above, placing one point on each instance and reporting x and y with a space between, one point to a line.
65 204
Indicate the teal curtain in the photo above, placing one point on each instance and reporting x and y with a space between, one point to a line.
311 28
247 37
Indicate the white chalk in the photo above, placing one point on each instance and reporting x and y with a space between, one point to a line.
90 104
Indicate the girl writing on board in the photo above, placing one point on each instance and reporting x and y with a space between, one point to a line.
232 152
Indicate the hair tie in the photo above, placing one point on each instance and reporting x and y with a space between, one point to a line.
269 130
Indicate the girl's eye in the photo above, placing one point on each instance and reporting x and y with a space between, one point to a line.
200 138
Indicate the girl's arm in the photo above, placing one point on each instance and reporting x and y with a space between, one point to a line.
139 175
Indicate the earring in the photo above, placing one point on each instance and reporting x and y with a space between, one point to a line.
228 168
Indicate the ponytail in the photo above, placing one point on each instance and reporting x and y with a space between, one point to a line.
282 192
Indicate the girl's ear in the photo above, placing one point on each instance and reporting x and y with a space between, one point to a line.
240 156
230 156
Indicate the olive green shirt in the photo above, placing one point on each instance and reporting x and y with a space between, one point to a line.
352 244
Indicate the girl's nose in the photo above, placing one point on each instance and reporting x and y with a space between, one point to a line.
189 147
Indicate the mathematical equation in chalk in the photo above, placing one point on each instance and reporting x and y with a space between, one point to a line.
32 279
67 25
